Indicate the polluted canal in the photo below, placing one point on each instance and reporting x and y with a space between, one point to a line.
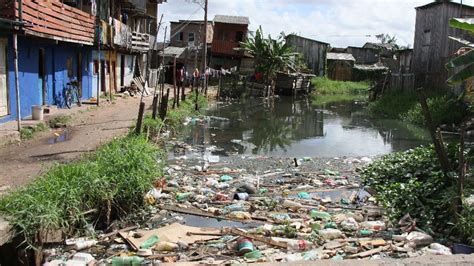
266 182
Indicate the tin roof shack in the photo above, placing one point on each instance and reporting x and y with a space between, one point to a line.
364 55
383 49
340 66
432 47
229 31
314 52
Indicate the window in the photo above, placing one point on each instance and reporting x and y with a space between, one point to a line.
221 35
239 36
181 36
427 37
191 37
425 49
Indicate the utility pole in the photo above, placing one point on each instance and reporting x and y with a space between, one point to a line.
205 46
15 63
99 35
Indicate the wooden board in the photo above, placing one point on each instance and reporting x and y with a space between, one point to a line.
172 233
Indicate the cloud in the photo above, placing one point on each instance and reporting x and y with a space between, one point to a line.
339 22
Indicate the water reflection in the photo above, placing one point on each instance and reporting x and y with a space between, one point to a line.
294 127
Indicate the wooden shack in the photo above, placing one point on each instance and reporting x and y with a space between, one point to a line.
432 46
293 83
364 55
340 66
313 51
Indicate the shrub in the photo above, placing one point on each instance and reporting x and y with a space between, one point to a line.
413 182
444 110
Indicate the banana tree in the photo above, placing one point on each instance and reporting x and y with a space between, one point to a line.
463 64
271 55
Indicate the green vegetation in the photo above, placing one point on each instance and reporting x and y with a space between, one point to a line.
110 181
328 91
175 117
60 121
412 182
31 131
95 189
445 109
271 55
463 65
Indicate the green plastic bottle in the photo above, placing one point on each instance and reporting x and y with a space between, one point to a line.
320 215
127 261
183 196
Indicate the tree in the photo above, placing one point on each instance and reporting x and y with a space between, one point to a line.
463 64
271 55
387 39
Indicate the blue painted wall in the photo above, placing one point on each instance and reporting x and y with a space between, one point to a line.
56 57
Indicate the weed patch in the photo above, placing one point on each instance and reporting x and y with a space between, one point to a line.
60 121
29 132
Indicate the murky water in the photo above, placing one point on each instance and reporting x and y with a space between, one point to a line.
60 136
291 127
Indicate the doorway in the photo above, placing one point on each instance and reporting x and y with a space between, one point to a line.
102 77
79 73
3 78
122 71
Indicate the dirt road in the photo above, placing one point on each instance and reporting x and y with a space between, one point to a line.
90 127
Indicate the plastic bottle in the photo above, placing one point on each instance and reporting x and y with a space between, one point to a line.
127 261
373 225
315 214
299 245
183 196
166 246
83 244
304 195
234 207
292 204
152 240
330 234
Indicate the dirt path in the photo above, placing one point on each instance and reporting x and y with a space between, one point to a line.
20 164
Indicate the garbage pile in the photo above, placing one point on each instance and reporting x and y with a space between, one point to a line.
253 209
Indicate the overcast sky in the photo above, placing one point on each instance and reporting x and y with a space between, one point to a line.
338 22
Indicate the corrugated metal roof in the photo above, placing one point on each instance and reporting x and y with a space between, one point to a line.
373 67
340 57
232 19
174 51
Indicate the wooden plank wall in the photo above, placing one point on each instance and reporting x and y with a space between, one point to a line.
314 52
432 72
55 20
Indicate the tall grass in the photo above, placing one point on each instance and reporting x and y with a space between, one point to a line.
110 181
326 86
95 189
329 91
